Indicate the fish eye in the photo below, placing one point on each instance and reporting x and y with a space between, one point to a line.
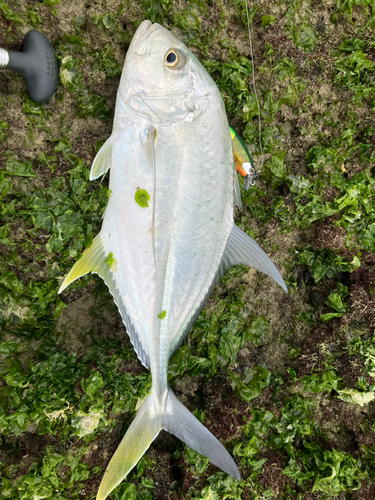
174 59
171 58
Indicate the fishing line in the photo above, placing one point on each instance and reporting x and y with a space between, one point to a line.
255 92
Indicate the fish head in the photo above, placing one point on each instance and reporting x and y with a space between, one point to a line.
162 80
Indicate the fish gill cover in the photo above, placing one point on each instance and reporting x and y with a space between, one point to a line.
285 382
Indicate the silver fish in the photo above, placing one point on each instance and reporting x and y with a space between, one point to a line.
168 233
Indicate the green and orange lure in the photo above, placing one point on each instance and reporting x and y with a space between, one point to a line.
242 159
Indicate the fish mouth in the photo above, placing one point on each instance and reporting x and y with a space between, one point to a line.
142 36
154 109
141 30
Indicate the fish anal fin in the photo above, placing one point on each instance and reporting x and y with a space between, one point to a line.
92 260
241 249
102 160
95 260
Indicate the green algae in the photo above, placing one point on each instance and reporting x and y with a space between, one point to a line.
142 197
111 261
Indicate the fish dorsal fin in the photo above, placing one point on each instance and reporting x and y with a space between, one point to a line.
94 260
241 249
236 190
102 160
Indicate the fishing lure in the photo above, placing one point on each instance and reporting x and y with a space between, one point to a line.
242 160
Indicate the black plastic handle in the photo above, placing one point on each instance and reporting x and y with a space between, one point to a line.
38 65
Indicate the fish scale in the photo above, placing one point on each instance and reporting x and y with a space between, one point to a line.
170 139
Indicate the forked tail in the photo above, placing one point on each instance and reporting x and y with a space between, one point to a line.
149 421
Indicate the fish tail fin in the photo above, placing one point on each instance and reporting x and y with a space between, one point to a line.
182 424
149 421
139 436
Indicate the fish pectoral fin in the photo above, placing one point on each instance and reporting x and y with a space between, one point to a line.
141 433
241 249
182 424
102 160
93 260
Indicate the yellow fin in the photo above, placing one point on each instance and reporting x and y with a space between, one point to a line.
96 259
138 438
102 160
93 260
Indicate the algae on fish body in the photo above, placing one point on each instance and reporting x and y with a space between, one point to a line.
142 198
162 314
278 385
